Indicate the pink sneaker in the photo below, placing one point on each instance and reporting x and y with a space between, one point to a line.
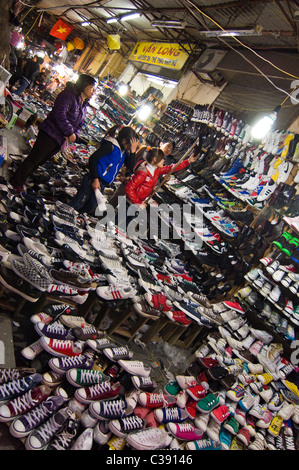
141 411
151 421
184 431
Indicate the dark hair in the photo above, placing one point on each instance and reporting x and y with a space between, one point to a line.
154 154
125 132
83 81
169 142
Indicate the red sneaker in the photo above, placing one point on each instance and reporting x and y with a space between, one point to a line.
221 413
191 408
178 316
234 306
156 400
159 302
197 392
59 347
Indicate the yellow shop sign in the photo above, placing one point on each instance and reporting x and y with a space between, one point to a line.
169 55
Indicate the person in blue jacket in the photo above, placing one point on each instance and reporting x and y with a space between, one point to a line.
117 148
63 124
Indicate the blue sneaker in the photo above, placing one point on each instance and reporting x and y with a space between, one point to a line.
225 438
203 444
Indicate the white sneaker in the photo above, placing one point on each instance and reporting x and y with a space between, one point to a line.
149 439
262 335
201 421
135 367
84 441
185 381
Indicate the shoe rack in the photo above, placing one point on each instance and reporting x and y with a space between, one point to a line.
263 228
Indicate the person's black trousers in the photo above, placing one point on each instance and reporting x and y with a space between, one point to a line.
44 148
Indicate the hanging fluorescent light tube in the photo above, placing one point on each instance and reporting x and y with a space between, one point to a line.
112 20
85 23
256 31
169 24
130 16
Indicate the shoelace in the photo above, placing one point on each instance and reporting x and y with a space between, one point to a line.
39 414
48 429
72 361
172 413
8 375
185 427
132 422
97 389
149 434
121 351
55 327
113 407
156 398
89 376
15 387
23 403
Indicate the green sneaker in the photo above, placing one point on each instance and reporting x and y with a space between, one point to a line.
207 404
292 244
282 241
232 425
172 388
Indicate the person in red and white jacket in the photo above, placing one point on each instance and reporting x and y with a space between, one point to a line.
143 181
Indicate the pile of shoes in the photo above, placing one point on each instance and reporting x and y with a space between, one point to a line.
238 392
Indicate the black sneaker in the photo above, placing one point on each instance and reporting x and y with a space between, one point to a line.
16 284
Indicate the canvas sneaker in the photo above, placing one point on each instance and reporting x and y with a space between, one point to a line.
85 377
73 321
186 381
115 354
135 367
61 364
184 431
13 373
203 444
41 436
207 404
173 415
220 414
110 409
58 347
10 390
53 330
156 400
23 403
102 391
100 344
24 424
64 439
145 384
236 393
149 439
124 426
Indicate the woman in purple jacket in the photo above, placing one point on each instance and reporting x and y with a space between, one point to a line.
63 123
